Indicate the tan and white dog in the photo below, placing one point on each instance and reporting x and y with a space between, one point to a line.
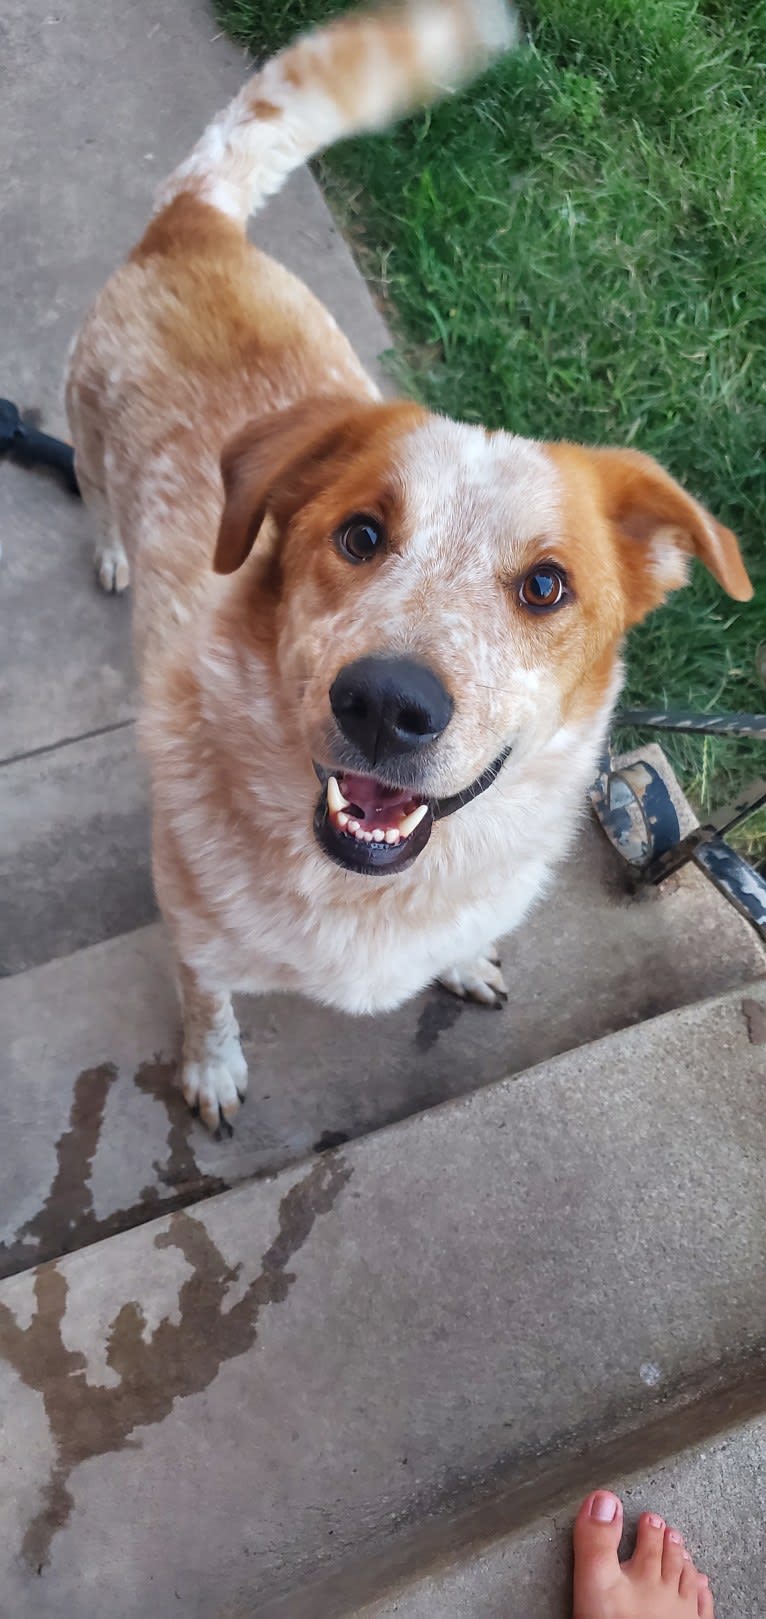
378 649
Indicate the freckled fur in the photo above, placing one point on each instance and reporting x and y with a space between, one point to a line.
201 342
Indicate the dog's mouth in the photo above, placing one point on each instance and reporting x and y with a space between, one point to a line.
370 827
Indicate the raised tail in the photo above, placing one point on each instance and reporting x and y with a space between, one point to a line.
358 73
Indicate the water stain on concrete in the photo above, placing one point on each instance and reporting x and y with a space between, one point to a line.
67 1220
181 1358
180 1172
755 1017
439 1015
69 1201
330 1139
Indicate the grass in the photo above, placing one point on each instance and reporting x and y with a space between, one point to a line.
577 249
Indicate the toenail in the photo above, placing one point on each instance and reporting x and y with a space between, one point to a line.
675 1537
687 1556
656 1523
604 1507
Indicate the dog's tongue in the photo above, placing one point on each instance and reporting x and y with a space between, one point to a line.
377 804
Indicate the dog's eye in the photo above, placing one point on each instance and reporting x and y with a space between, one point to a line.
361 538
543 588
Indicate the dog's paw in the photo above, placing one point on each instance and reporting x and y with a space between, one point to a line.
216 1086
479 980
112 568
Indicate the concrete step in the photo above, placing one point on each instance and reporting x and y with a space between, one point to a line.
66 668
308 1388
74 855
713 1492
103 1138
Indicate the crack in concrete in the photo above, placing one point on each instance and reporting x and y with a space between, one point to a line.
181 1357
67 1219
65 742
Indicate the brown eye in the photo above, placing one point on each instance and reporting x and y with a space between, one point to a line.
545 587
361 538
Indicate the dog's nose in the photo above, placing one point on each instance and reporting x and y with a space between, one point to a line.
389 706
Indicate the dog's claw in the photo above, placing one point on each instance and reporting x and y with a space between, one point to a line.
480 980
215 1087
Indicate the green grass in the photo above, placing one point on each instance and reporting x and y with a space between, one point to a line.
577 249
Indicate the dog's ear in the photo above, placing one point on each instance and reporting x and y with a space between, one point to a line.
658 527
273 466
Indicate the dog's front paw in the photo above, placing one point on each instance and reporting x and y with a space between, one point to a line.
479 980
215 1086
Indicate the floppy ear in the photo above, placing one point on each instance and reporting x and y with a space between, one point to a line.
659 527
272 465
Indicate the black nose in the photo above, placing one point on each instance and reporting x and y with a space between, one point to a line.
389 706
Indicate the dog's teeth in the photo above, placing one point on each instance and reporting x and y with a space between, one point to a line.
378 835
412 820
367 837
335 799
341 821
392 836
353 826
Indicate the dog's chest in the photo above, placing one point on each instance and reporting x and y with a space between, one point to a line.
373 955
279 916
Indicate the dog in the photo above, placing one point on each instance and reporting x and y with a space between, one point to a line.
378 649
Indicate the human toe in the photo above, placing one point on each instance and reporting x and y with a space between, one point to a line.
672 1557
688 1583
597 1531
646 1562
704 1598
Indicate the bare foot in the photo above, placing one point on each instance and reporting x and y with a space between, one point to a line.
658 1582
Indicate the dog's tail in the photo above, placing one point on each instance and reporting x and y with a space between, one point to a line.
358 73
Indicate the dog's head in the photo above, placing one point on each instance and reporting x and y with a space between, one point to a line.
444 599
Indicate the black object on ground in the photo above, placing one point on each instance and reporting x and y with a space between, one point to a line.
27 445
